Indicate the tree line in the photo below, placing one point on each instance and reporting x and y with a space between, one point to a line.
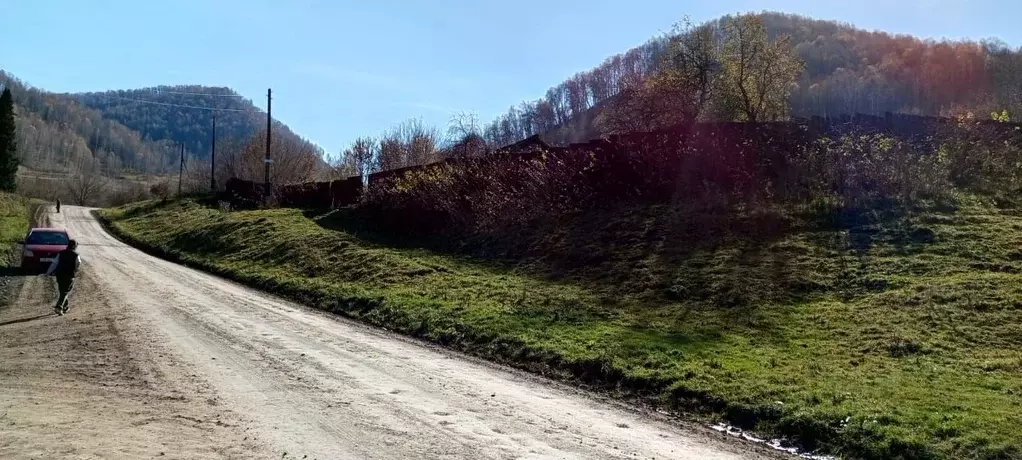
751 67
845 71
55 133
112 133
169 113
408 143
731 72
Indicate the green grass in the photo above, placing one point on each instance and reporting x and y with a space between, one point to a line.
893 336
14 216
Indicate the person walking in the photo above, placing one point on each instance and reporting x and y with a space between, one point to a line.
64 267
58 205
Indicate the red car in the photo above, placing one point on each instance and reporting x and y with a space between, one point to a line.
41 245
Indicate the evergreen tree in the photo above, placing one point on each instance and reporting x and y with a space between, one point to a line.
8 143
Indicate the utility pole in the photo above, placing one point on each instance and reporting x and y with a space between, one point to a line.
269 129
212 159
181 171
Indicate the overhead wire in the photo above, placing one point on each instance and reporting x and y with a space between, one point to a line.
185 106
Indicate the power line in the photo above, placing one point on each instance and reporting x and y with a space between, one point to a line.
184 106
160 91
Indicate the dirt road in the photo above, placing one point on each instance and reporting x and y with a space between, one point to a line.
156 360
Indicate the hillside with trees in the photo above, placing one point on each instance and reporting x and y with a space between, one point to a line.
184 114
844 70
120 146
134 130
56 134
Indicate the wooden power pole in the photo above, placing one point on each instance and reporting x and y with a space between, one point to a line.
212 159
269 129
181 171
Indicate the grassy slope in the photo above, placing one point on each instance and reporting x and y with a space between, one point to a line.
893 339
14 215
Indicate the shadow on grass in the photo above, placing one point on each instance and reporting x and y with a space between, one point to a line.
665 256
141 209
212 240
351 221
883 221
647 259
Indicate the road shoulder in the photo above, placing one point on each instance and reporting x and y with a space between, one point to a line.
93 384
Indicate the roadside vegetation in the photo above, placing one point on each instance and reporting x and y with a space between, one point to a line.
895 337
852 289
14 217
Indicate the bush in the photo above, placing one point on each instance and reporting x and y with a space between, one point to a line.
160 190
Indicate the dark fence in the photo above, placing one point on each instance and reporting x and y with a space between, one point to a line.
310 195
731 156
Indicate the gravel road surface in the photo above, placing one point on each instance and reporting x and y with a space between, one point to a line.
156 360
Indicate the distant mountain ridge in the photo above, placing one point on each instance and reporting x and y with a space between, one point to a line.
56 133
136 130
184 114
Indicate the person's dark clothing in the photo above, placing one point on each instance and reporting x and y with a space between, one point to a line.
67 264
64 267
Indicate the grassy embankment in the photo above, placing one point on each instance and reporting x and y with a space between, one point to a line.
14 216
897 337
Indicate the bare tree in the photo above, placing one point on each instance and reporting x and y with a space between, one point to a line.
691 64
357 160
336 167
421 142
293 161
390 153
462 125
228 160
196 176
84 182
678 91
637 109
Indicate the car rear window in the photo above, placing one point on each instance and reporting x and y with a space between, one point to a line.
47 238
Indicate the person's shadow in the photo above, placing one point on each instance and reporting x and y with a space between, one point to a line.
27 319
18 271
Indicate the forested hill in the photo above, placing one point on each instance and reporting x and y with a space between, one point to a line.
183 114
136 130
846 71
849 70
56 133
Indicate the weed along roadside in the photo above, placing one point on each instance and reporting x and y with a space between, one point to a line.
15 214
895 338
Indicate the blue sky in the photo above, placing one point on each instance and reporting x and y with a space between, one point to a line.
340 68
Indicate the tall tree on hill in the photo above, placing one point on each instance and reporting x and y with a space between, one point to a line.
8 143
678 92
691 65
758 74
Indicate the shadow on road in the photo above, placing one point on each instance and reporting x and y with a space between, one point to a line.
11 271
25 320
